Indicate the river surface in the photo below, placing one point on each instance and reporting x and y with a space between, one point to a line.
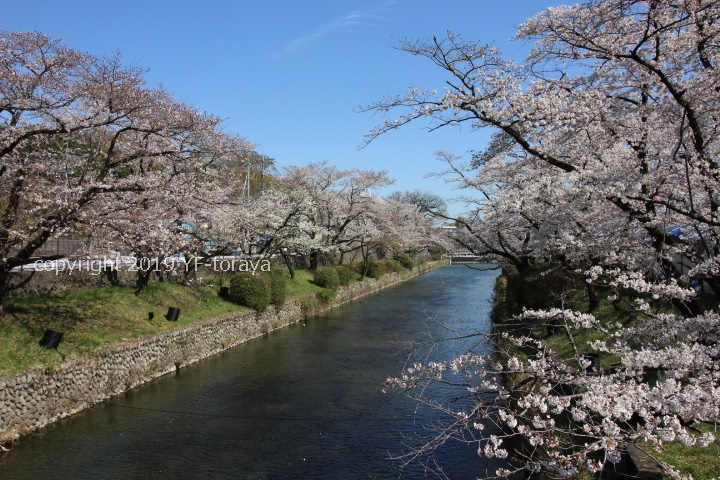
301 402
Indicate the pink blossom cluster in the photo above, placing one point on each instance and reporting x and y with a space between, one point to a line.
603 164
88 150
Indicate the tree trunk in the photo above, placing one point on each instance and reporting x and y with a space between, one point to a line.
314 260
111 274
6 286
288 262
4 278
142 281
593 301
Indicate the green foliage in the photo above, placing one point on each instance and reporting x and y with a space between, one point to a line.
209 281
378 268
405 261
359 268
259 290
375 269
327 277
435 253
344 274
326 295
302 285
393 265
278 287
511 294
540 287
94 318
693 460
308 305
514 290
250 290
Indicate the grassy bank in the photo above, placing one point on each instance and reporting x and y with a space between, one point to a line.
93 318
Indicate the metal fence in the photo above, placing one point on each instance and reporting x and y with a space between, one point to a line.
65 247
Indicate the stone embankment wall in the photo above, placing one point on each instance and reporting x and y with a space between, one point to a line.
42 396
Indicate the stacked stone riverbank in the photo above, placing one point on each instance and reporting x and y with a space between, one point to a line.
41 396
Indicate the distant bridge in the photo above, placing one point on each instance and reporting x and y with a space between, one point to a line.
463 255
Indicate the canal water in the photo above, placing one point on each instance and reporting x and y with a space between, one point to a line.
301 402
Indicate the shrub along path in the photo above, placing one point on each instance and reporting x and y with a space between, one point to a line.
93 318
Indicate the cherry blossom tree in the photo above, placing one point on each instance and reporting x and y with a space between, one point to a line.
426 203
603 160
319 209
406 221
286 217
81 134
342 198
172 227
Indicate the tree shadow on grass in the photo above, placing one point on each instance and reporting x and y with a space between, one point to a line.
36 315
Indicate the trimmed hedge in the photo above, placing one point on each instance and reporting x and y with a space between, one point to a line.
393 265
250 290
375 269
405 261
326 277
344 274
325 295
259 290
277 287
378 268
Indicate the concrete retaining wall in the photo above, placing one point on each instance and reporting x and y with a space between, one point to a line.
42 396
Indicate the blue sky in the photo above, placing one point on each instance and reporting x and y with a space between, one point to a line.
291 75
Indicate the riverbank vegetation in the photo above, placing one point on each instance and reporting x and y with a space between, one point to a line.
93 318
600 187
512 296
100 172
107 182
